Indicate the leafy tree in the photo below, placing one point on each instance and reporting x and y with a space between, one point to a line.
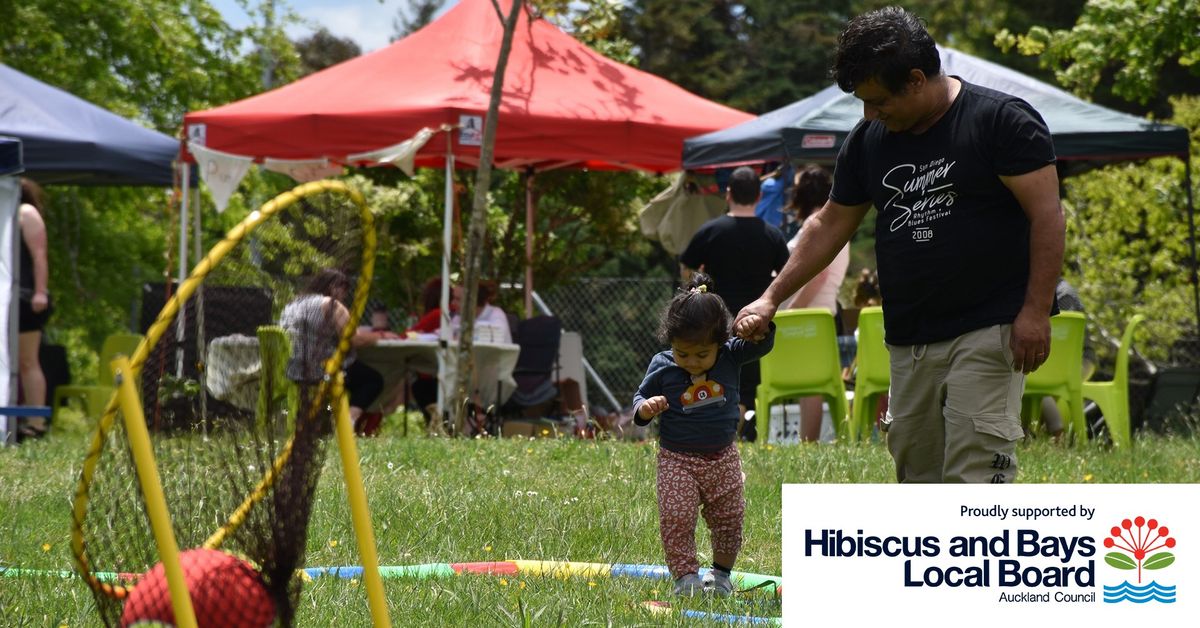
323 49
1128 248
418 14
150 62
972 26
1136 45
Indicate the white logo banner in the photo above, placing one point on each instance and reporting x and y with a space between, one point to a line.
1012 555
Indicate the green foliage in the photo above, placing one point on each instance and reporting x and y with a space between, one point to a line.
1127 244
755 55
1137 43
416 16
152 62
323 49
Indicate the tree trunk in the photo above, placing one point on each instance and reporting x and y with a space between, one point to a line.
475 232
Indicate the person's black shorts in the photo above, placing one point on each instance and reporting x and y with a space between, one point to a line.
28 320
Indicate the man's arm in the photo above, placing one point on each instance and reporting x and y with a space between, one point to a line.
823 235
1037 192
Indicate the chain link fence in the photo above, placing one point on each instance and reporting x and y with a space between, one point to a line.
617 319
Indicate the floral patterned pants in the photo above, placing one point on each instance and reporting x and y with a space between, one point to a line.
711 484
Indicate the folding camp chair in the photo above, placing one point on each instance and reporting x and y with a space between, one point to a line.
96 397
539 339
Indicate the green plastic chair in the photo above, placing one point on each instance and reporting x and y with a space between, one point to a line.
873 374
803 362
1061 375
1113 396
275 390
95 398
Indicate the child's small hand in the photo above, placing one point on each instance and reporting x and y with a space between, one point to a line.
747 326
652 407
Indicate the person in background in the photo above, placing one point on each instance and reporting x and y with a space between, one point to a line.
969 238
866 290
431 302
35 306
693 389
741 253
809 192
314 320
491 323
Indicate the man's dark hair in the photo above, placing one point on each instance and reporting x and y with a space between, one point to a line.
885 44
743 186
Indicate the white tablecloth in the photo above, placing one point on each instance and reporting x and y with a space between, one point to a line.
234 367
494 363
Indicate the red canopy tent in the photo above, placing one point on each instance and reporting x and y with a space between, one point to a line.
564 105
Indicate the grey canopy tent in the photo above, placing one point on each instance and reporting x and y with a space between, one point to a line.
68 140
813 129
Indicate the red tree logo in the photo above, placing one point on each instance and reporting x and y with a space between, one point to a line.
1148 536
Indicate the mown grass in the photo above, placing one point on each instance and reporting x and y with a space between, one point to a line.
442 500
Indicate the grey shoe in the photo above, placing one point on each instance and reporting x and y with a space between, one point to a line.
717 583
688 585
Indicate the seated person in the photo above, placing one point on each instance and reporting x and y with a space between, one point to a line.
491 323
314 320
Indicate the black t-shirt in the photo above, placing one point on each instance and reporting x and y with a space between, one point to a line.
951 241
740 254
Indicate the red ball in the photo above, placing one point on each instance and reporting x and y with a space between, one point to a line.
226 592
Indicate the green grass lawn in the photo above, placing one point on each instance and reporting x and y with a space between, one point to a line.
442 500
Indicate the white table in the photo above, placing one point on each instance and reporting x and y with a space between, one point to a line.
234 367
494 363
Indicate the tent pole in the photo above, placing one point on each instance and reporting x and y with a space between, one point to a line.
529 210
1191 209
444 326
183 259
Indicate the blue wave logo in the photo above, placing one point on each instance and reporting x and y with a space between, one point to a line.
1153 592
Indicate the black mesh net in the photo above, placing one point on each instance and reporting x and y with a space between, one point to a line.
238 405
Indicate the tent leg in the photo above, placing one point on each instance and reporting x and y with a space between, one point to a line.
529 212
1191 210
444 325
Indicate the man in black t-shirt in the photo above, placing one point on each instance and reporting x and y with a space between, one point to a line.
969 242
742 254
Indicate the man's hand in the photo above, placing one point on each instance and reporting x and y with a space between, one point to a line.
652 407
39 302
1030 342
752 321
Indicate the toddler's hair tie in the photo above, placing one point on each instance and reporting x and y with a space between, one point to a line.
700 289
